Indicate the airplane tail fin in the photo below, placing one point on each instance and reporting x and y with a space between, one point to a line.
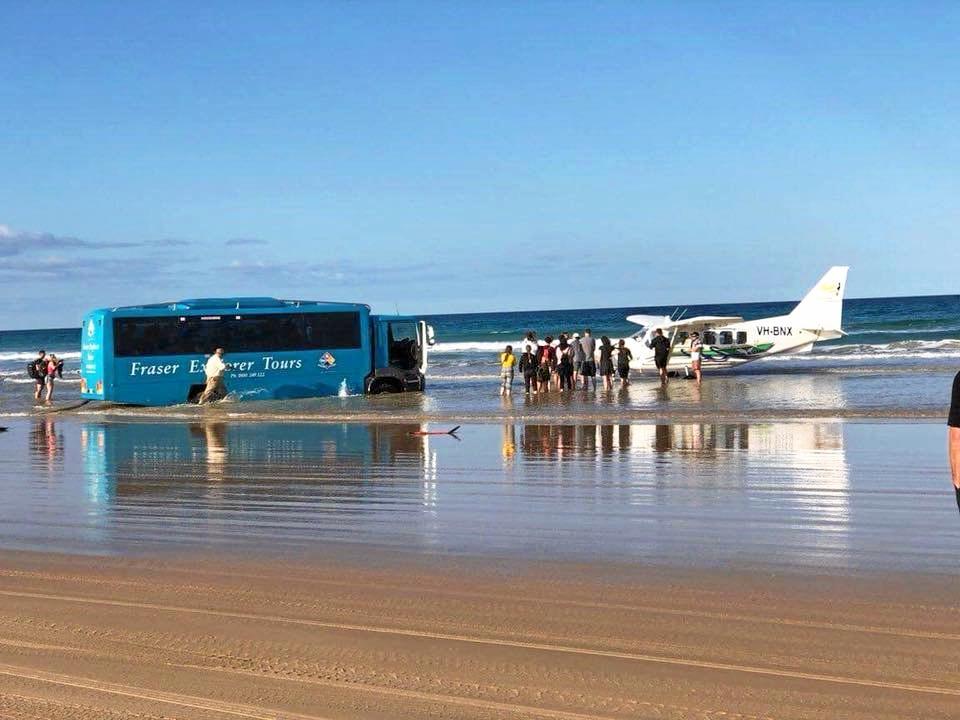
822 308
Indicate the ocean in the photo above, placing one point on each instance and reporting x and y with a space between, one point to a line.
898 359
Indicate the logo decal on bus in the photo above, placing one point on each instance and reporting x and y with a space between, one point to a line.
90 329
327 360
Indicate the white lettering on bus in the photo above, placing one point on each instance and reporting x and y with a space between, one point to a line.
137 368
271 363
196 367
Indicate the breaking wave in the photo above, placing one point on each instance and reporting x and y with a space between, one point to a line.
916 348
30 355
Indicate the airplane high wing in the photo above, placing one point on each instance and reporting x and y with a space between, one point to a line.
666 324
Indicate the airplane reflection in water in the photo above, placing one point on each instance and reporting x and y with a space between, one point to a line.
762 464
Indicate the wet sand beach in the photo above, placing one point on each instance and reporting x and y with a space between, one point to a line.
393 637
802 569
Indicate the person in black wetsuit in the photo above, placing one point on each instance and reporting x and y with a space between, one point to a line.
624 356
606 362
564 365
953 437
528 368
661 353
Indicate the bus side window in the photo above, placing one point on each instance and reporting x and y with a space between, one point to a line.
726 337
709 337
741 337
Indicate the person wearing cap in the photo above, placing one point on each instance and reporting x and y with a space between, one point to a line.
576 350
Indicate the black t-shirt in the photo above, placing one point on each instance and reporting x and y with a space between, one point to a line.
954 419
660 345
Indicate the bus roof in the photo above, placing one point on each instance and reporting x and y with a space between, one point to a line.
238 303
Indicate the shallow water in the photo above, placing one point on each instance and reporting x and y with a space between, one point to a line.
897 361
746 394
825 495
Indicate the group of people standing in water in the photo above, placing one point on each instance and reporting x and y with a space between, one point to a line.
44 371
564 364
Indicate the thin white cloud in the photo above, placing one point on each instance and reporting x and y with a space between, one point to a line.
233 242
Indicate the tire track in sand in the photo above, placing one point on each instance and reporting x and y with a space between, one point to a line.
564 649
484 704
160 696
562 602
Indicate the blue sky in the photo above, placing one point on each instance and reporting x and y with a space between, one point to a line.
456 157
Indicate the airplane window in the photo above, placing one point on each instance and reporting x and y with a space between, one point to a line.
709 337
682 337
726 337
741 337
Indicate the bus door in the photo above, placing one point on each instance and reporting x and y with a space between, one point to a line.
403 346
425 339
92 338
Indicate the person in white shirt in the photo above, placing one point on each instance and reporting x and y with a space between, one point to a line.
214 370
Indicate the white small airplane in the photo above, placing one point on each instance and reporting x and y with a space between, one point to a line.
729 342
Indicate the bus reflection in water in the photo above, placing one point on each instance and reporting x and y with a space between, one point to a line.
258 460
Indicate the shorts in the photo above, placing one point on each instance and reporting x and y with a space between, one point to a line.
588 369
695 363
577 364
660 362
606 367
48 380
623 371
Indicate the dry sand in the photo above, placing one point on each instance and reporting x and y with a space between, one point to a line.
389 637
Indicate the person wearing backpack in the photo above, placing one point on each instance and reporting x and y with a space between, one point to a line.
37 370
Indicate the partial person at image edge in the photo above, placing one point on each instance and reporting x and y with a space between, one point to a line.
953 437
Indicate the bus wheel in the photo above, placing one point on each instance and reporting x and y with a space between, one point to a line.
384 386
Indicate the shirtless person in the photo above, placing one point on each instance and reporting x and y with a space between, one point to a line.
953 437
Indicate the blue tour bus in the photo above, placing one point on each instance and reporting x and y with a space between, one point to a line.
274 349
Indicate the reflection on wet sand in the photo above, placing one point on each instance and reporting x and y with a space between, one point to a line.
696 492
46 442
605 440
